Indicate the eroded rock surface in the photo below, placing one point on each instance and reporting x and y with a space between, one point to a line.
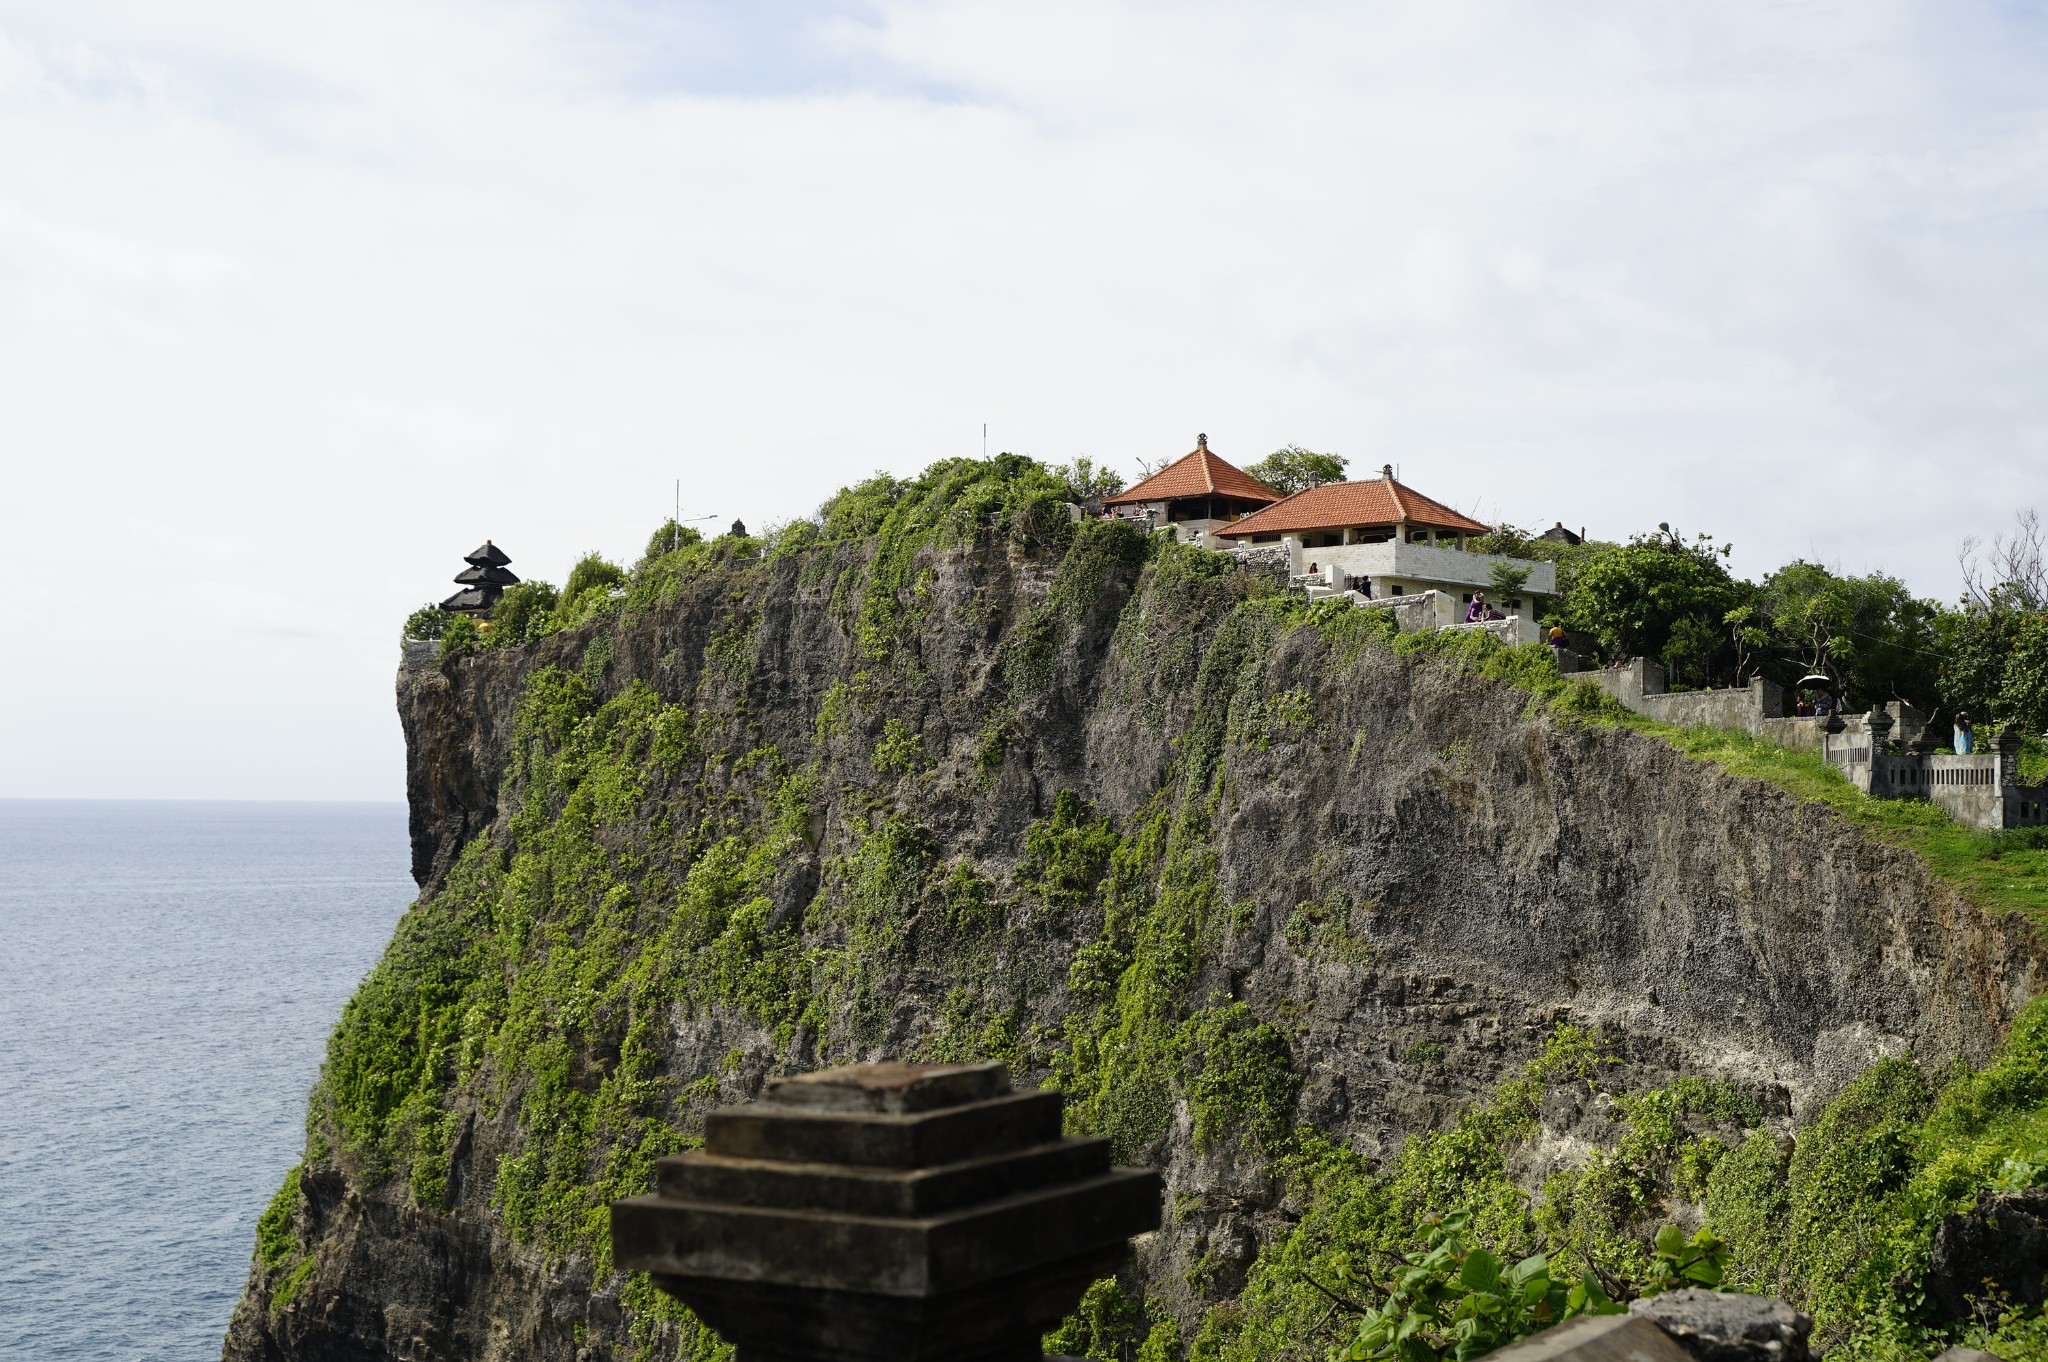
1477 873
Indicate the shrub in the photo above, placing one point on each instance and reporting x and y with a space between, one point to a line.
589 587
523 614
669 538
428 623
461 636
1453 1300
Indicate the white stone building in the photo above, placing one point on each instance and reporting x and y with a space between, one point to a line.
1381 540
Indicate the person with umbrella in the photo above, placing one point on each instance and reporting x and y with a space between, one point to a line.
1824 700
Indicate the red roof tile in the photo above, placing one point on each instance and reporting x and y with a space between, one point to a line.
1341 505
1197 474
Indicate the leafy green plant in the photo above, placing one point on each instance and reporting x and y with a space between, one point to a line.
276 1242
1505 580
524 613
1677 1261
1087 479
428 623
2018 1173
670 538
590 587
461 636
1292 468
1066 856
1659 597
1451 1300
901 749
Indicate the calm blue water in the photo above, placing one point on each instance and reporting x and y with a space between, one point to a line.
168 976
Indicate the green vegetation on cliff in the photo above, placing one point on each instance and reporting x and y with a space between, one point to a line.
684 891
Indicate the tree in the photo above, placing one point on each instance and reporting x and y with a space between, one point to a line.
1995 648
1087 480
1869 633
2012 571
1292 468
1504 581
1509 541
1658 596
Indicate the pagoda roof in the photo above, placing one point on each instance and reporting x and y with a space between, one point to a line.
1343 505
488 555
1198 473
474 598
492 576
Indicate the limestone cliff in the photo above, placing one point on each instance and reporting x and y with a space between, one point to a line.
1216 862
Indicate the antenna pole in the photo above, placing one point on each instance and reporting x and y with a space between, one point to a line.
675 525
984 439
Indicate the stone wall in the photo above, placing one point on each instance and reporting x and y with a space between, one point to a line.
1268 560
1979 791
1639 686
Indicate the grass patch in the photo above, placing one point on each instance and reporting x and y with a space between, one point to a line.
2006 871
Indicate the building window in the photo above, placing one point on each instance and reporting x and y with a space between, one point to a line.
1394 589
1265 539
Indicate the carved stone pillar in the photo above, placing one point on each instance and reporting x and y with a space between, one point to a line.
887 1211
2009 755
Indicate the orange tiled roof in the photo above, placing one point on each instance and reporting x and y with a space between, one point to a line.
1199 473
1341 505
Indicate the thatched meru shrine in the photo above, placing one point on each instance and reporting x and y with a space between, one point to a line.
482 582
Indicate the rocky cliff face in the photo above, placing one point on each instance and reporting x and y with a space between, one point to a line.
1215 863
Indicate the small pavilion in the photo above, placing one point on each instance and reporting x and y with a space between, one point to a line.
482 582
1196 494
1379 510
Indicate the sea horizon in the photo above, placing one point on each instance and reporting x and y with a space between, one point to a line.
174 969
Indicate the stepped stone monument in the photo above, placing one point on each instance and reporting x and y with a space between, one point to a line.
887 1211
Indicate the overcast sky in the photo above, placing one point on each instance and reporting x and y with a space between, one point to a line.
298 303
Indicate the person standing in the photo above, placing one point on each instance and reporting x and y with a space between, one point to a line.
1966 736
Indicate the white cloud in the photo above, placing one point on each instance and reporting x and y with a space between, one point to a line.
297 305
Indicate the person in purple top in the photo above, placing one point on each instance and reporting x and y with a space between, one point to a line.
1476 611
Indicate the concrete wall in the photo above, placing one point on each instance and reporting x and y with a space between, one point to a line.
1423 610
1639 685
1424 565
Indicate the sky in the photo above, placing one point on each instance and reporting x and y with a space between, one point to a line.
300 303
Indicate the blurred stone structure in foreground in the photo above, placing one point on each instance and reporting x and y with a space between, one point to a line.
887 1211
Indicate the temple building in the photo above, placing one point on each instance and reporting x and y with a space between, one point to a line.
1196 495
1382 539
482 582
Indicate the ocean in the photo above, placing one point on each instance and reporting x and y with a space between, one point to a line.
168 976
